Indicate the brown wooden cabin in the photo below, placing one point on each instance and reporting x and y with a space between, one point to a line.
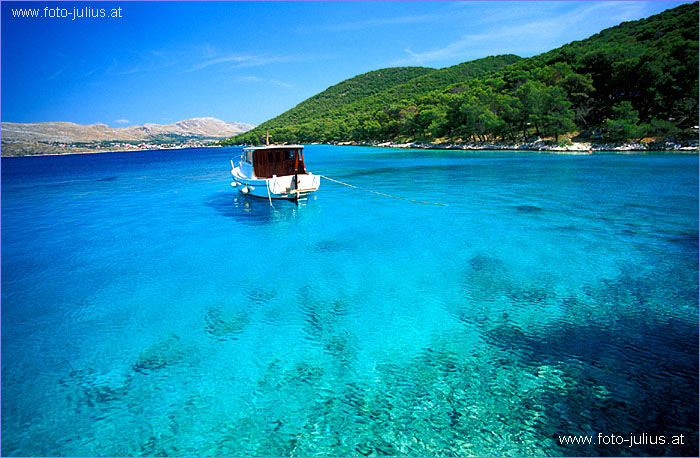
278 160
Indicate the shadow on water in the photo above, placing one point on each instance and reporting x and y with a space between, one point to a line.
688 240
625 354
621 359
621 381
253 211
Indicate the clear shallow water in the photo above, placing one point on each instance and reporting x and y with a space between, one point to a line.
150 309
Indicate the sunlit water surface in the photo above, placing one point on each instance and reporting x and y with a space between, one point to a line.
148 308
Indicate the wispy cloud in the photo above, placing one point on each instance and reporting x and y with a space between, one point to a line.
520 34
239 61
130 71
122 121
257 79
56 74
192 58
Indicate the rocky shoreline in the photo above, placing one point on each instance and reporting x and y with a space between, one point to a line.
544 146
541 146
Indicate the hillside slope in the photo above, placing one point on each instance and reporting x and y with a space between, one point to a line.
350 91
362 96
635 80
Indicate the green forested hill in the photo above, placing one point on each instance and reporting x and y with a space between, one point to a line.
349 91
331 114
638 79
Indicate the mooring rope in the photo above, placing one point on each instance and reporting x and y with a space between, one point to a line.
383 194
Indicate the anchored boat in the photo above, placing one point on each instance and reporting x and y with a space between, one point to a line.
274 172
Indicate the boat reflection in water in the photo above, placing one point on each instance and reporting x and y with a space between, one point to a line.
255 212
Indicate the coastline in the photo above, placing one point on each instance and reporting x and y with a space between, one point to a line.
102 151
539 146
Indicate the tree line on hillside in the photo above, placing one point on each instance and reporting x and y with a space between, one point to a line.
636 80
342 104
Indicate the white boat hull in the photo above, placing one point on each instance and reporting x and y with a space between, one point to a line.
275 187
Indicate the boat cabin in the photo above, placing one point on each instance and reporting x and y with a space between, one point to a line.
275 160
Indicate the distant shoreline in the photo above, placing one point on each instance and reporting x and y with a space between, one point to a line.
75 153
574 149
102 151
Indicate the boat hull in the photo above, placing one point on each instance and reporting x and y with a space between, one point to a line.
276 187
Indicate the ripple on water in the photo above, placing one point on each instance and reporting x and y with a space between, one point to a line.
259 294
332 246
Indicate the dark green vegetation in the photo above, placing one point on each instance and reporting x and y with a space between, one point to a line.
633 81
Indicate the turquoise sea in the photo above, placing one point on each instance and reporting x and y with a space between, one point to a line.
148 308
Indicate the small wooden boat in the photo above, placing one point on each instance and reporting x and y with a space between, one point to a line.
274 172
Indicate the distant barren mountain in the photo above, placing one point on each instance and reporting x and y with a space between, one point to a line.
57 137
68 132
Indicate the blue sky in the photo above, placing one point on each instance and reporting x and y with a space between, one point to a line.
250 61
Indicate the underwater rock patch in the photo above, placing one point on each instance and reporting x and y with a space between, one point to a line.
482 262
163 353
340 307
87 386
485 279
330 246
532 295
320 316
222 325
342 346
260 296
528 208
305 372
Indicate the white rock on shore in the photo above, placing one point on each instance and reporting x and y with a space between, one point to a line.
574 148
